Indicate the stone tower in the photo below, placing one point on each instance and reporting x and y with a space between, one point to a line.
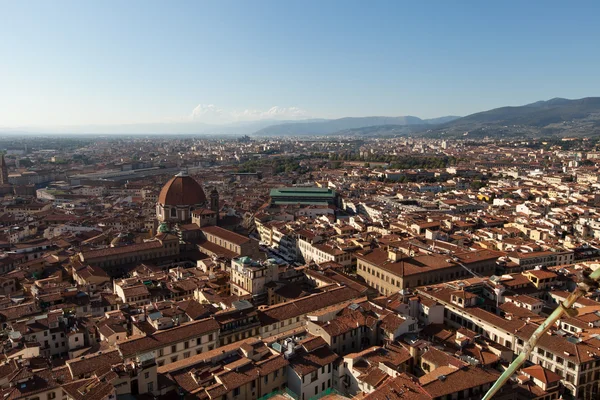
4 174
214 201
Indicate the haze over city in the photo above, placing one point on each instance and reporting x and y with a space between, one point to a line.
315 200
113 63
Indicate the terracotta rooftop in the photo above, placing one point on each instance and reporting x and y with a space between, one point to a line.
226 235
167 337
182 190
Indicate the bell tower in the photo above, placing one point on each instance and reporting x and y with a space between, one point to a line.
4 172
214 201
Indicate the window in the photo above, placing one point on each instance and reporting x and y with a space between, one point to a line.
236 392
174 348
146 375
51 395
266 379
313 376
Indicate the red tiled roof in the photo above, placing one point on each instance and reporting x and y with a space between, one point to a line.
181 190
111 251
226 235
167 337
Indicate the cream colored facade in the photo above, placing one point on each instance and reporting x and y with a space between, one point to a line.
582 379
387 282
320 254
249 277
169 345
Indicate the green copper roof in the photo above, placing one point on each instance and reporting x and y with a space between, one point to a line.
310 203
163 228
302 192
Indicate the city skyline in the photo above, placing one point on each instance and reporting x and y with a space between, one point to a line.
147 63
341 200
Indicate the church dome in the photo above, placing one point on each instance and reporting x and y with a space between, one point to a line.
181 190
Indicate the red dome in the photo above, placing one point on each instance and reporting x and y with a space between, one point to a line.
181 190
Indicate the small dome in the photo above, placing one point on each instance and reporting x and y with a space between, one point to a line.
181 190
163 228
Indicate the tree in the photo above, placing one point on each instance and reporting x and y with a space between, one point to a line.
25 162
476 185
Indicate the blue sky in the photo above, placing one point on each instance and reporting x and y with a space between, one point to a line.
122 62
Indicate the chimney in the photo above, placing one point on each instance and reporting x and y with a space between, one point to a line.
415 353
394 255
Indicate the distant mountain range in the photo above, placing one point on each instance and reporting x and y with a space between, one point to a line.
332 126
538 114
557 116
305 127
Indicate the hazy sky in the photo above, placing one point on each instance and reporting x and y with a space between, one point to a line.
104 62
